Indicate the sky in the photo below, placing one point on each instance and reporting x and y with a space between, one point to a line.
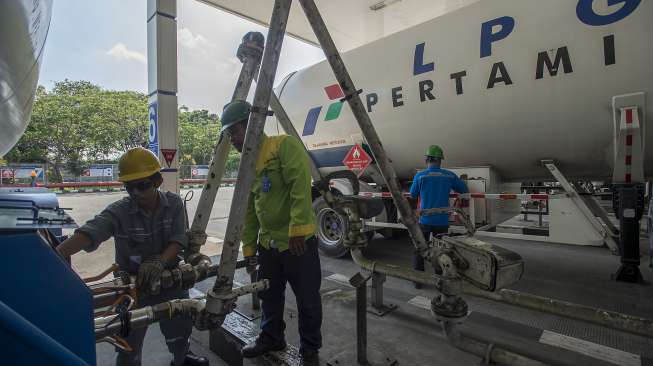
105 42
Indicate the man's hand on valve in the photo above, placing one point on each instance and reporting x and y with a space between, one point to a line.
148 280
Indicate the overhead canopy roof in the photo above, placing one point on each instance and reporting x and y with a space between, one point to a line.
352 23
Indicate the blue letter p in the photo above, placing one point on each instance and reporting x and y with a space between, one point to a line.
487 37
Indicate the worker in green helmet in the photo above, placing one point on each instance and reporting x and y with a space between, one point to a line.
431 187
280 227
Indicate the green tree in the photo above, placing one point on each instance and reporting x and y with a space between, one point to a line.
199 131
78 123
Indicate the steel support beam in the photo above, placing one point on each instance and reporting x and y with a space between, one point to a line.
377 306
360 113
217 302
364 356
162 87
605 318
249 53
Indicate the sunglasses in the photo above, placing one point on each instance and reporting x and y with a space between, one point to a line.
142 185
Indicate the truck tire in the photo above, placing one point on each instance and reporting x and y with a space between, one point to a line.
331 229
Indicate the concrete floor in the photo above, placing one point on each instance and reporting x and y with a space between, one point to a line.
410 334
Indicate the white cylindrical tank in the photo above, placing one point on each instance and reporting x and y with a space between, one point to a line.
504 83
23 29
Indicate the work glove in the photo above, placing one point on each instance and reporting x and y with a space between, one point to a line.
196 259
250 264
297 245
148 280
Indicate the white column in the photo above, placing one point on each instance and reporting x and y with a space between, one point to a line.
162 87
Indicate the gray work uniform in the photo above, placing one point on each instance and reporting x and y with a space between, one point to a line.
138 236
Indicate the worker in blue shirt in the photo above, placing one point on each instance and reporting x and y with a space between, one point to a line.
431 187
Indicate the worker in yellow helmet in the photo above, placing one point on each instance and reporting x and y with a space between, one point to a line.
149 230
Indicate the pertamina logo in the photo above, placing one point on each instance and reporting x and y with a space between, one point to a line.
334 92
549 63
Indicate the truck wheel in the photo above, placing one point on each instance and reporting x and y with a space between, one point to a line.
331 229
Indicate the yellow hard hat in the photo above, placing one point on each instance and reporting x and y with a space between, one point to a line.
137 163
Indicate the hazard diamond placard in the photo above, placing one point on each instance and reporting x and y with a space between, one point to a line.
357 159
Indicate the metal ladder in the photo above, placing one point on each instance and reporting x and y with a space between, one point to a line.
218 298
264 97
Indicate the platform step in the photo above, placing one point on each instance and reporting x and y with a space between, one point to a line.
236 332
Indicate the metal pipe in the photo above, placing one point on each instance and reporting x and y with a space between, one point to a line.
361 323
112 268
377 289
247 171
523 354
110 325
118 287
366 126
17 326
619 321
480 348
485 350
249 52
396 271
261 285
256 303
195 308
139 318
106 298
539 213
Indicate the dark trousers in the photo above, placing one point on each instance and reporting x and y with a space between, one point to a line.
427 230
305 276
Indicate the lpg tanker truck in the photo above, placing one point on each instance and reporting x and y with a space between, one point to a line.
502 85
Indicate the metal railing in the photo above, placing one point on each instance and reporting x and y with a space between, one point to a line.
100 175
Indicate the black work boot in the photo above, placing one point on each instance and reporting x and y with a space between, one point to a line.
310 357
195 360
260 346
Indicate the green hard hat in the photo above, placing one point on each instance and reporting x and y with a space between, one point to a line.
434 151
234 112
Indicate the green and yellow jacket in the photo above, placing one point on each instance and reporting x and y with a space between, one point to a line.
280 203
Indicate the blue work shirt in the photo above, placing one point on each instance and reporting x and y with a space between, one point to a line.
433 185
